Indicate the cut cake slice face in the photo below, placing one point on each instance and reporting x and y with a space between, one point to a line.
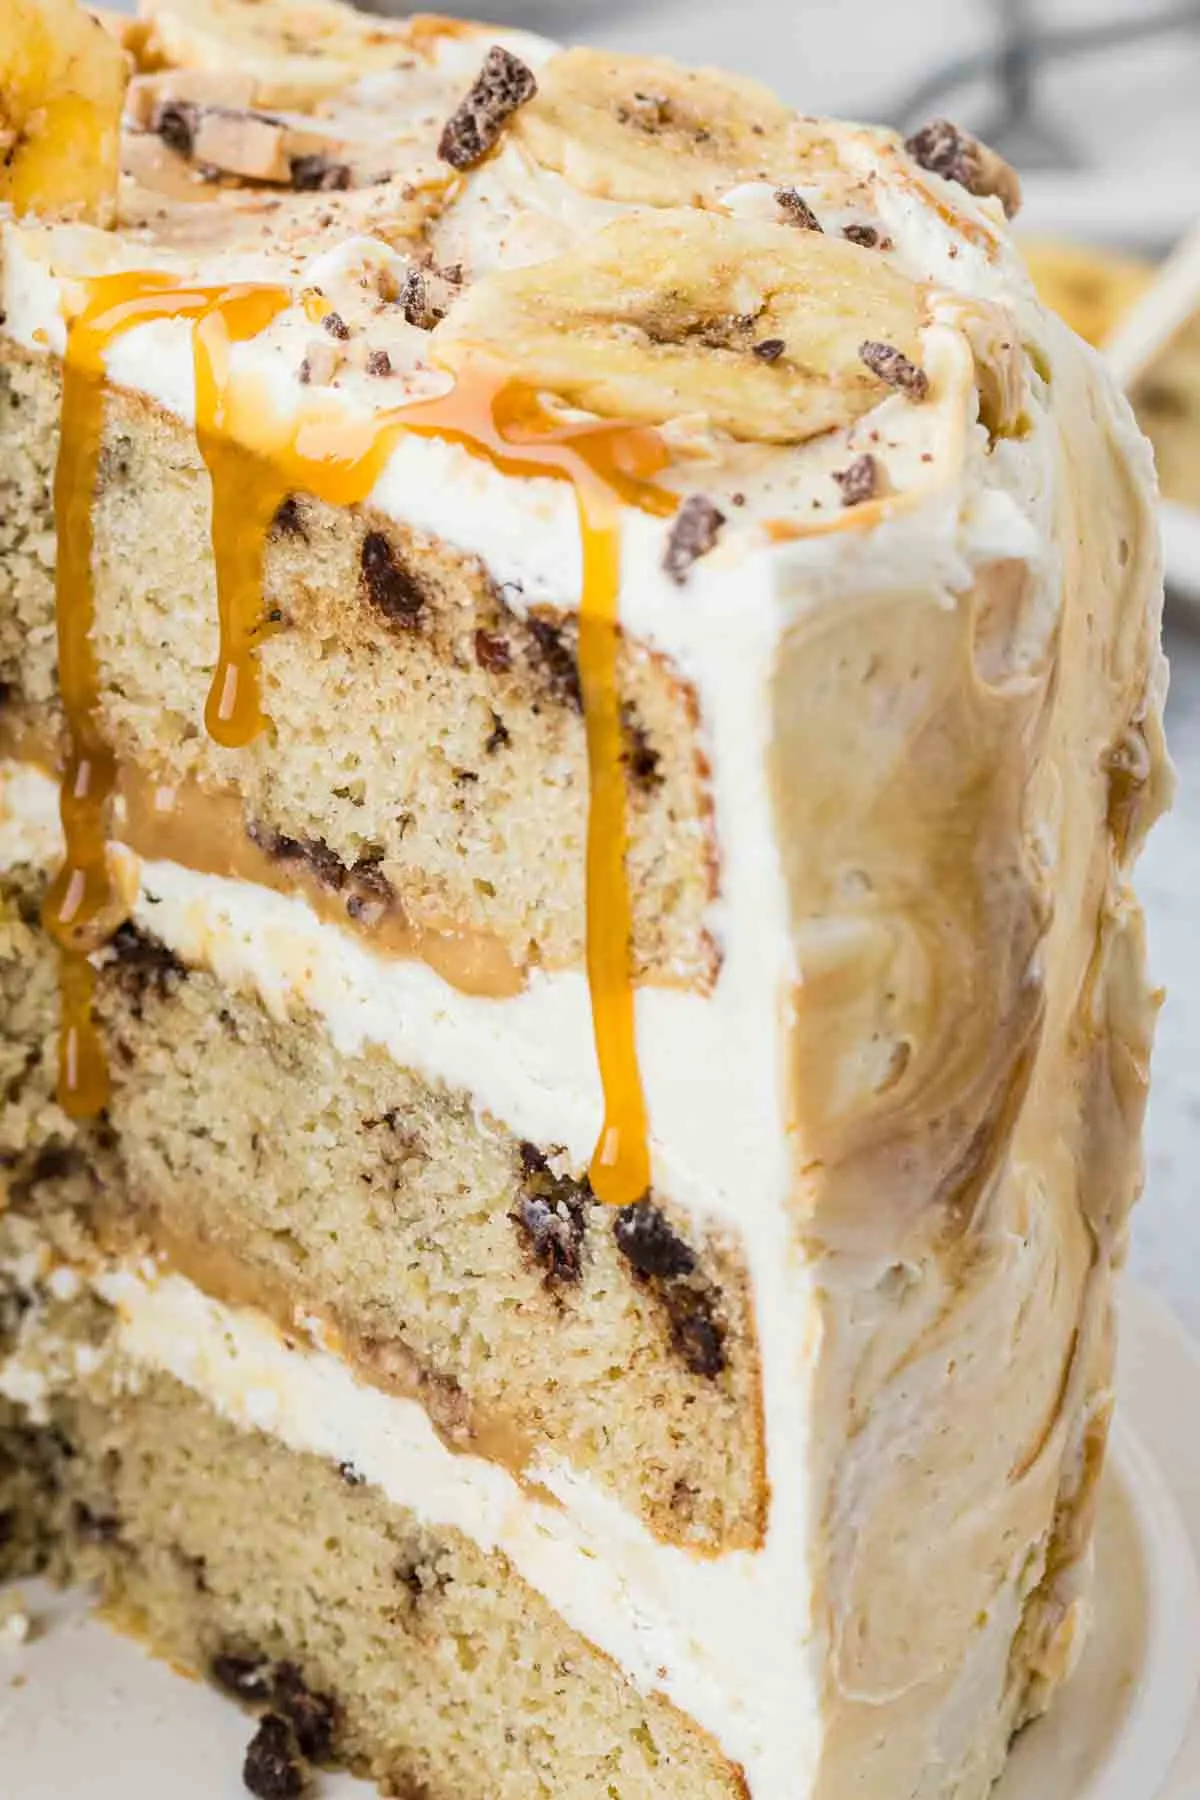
581 688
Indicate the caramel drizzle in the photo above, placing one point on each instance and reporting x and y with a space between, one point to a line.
253 464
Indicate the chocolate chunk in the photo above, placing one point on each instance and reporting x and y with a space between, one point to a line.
945 150
417 303
557 660
798 211
648 1243
891 365
176 125
336 326
770 350
858 482
552 1213
692 536
379 363
503 84
389 586
318 174
350 1475
247 1678
697 1337
492 652
867 236
312 1716
272 1769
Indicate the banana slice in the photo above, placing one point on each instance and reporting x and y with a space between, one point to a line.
667 314
62 88
646 131
298 52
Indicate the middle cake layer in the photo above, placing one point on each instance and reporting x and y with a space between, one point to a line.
445 1255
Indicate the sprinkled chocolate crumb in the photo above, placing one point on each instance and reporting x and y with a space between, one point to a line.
245 1677
350 1475
945 150
858 482
492 652
272 1769
648 1243
420 300
503 84
320 364
770 350
317 174
336 326
891 365
379 363
692 536
649 112
737 499
798 210
869 237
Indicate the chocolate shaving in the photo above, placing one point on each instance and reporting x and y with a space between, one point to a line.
858 482
798 210
693 535
891 365
503 84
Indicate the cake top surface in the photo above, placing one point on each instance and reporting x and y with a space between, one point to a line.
808 316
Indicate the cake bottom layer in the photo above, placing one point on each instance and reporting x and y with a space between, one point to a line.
410 1655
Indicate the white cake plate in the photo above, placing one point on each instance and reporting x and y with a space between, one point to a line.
84 1715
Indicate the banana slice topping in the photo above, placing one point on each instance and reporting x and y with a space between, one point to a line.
665 315
62 89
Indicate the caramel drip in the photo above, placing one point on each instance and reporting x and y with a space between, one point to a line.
84 905
246 494
605 464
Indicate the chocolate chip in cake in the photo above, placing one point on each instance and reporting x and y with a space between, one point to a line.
556 659
246 1677
318 174
770 350
498 737
503 84
140 965
93 1527
389 586
641 758
797 209
492 652
313 1716
891 365
175 123
693 534
697 1336
648 1243
552 1213
273 1770
859 481
289 519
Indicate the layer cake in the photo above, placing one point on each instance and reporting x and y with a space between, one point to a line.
581 688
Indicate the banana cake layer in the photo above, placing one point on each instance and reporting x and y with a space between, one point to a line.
587 588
